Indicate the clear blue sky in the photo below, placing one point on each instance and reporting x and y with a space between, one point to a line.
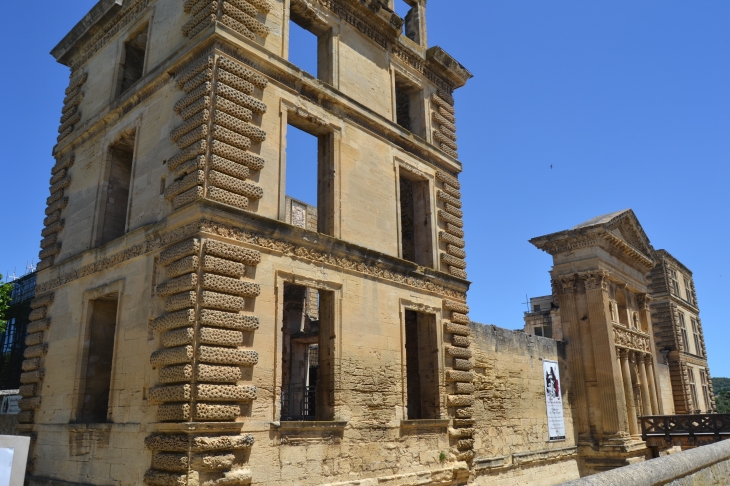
629 101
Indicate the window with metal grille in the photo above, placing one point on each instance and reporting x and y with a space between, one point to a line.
706 391
696 334
674 281
693 389
688 291
683 328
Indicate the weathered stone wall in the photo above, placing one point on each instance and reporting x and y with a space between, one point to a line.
707 466
511 439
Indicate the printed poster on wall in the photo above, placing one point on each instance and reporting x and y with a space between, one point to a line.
553 400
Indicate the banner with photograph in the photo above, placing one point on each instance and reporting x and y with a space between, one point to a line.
553 400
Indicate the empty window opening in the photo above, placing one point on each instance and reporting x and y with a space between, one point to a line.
409 107
546 330
116 190
133 60
309 178
99 359
422 387
415 221
302 154
307 379
411 13
310 42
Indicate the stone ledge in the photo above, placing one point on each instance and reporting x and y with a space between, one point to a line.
39 481
522 458
425 423
663 470
457 474
304 425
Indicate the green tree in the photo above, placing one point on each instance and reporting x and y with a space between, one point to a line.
4 303
721 387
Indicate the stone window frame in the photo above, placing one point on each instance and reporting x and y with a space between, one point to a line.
422 307
115 288
336 287
414 172
106 158
326 21
121 38
399 70
315 121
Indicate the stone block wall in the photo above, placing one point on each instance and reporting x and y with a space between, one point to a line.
511 442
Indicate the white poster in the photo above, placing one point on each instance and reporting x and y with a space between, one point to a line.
6 465
553 400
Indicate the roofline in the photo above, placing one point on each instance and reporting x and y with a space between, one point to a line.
101 11
664 254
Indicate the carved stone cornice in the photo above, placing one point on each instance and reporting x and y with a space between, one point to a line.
104 35
368 264
596 279
631 340
571 244
635 255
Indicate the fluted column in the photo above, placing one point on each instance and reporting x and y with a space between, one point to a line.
564 287
628 390
649 362
644 301
645 396
614 415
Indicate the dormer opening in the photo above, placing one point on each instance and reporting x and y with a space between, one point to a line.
132 62
411 12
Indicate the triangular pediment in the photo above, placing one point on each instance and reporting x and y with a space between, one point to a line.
627 227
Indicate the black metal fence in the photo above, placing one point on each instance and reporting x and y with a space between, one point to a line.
298 402
12 341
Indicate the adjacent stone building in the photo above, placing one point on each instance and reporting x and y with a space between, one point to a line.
678 333
543 318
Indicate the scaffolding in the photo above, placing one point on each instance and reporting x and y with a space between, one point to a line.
12 341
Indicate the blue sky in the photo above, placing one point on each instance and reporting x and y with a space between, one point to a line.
628 101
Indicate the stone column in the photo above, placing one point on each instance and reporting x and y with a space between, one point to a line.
628 390
649 362
645 396
644 301
564 287
614 415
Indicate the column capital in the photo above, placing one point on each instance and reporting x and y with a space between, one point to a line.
564 284
644 301
648 358
596 280
622 353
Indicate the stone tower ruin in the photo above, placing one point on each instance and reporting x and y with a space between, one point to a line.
186 330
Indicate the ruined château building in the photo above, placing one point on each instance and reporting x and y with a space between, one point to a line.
196 325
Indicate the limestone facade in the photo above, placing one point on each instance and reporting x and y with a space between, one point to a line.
678 334
171 340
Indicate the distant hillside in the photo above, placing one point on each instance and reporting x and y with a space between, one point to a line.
722 394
